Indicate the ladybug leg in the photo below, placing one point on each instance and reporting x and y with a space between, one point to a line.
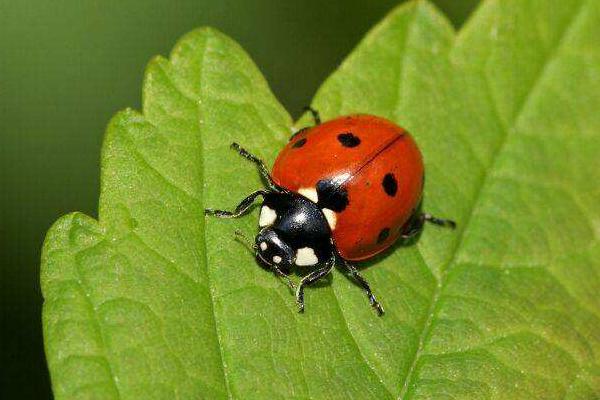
353 272
315 114
299 131
309 279
415 225
413 228
438 221
262 168
316 119
241 208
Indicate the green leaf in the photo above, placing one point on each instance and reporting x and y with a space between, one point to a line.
155 301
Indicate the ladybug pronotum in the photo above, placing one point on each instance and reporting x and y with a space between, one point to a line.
346 189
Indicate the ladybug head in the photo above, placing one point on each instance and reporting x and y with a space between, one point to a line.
272 250
294 232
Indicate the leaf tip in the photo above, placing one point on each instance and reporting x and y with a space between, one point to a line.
59 236
196 35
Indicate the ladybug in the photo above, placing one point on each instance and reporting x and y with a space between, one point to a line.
346 189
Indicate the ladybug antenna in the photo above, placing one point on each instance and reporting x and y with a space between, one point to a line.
243 239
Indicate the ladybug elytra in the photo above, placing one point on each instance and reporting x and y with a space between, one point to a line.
346 189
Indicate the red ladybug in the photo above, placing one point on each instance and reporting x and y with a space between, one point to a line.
345 189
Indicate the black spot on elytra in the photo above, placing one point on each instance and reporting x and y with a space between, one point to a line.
332 196
299 143
390 185
385 232
348 139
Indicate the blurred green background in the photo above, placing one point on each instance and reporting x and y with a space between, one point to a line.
67 66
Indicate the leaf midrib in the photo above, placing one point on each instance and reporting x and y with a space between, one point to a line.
507 128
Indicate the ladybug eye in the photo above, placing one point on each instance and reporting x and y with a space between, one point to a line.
271 249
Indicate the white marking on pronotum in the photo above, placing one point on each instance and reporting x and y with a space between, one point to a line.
276 259
331 217
309 193
267 216
306 256
263 246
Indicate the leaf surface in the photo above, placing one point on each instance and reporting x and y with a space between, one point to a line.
154 301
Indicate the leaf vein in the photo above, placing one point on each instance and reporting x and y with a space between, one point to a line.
358 348
205 251
476 199
98 328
